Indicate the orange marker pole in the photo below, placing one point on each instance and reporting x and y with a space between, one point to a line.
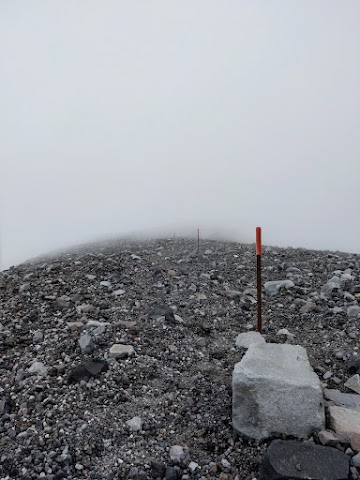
258 269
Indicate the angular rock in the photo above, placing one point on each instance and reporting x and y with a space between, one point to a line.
86 344
353 365
308 307
177 453
332 285
134 424
347 400
85 308
273 287
171 473
353 383
275 390
285 331
119 350
61 303
346 423
163 311
297 460
88 369
327 438
38 368
38 337
244 340
353 311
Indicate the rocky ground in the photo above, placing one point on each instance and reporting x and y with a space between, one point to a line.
161 406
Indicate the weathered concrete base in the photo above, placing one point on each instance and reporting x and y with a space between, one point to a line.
276 391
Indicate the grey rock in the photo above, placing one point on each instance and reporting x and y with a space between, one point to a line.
177 453
356 460
244 340
353 311
38 337
348 400
275 390
24 287
171 473
86 344
308 307
85 308
105 283
193 466
273 287
38 368
134 424
353 383
118 292
297 460
88 369
100 330
119 350
346 424
332 285
328 438
285 331
62 303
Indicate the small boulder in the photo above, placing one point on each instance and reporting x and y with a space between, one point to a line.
275 390
346 424
88 369
298 461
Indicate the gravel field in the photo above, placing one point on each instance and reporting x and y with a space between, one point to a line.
116 359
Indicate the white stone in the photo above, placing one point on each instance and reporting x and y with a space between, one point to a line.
244 340
275 390
119 350
353 383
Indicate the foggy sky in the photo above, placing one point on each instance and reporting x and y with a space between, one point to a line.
127 116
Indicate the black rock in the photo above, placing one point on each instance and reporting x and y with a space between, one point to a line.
157 470
171 473
297 460
353 366
163 311
88 369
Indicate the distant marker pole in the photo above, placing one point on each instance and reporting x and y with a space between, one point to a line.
258 269
198 240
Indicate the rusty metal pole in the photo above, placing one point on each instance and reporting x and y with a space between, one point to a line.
258 275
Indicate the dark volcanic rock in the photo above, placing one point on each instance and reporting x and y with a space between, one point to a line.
88 369
297 461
